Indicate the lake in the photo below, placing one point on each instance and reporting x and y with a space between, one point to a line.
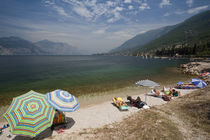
81 75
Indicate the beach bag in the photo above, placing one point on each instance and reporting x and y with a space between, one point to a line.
166 98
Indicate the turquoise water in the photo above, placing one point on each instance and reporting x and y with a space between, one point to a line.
79 74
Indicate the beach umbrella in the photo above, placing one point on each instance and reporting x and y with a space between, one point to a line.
205 75
29 114
198 82
147 83
62 100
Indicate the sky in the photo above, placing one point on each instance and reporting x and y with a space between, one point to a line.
95 26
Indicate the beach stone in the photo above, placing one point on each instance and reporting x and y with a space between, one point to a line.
195 68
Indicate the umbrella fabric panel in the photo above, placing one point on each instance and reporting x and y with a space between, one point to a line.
63 106
147 83
205 75
199 83
62 100
29 114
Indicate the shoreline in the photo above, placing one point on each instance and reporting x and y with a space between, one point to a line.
89 100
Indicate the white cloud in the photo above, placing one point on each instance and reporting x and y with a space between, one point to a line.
144 6
100 31
92 9
118 8
197 9
116 17
166 14
130 7
165 3
48 2
60 10
110 3
95 10
189 2
115 14
127 1
82 11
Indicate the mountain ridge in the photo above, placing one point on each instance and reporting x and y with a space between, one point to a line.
17 46
187 36
192 30
142 39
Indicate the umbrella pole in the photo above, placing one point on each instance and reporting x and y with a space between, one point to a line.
145 96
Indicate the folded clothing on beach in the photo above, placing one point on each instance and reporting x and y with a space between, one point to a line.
139 104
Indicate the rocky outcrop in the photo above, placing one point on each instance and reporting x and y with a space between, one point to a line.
195 68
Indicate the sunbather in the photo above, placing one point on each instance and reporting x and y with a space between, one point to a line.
119 101
155 92
137 102
166 96
175 93
182 85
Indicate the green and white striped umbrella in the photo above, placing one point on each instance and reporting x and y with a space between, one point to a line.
29 114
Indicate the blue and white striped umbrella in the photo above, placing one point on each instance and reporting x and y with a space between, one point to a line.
62 100
198 82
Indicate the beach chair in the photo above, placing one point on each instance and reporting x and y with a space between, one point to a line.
120 103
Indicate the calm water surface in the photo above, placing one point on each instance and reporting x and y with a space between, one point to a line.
80 74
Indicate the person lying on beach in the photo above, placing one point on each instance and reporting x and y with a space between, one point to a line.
182 85
119 101
155 93
166 96
175 93
137 102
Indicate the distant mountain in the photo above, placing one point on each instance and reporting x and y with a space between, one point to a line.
18 46
142 39
191 32
57 48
